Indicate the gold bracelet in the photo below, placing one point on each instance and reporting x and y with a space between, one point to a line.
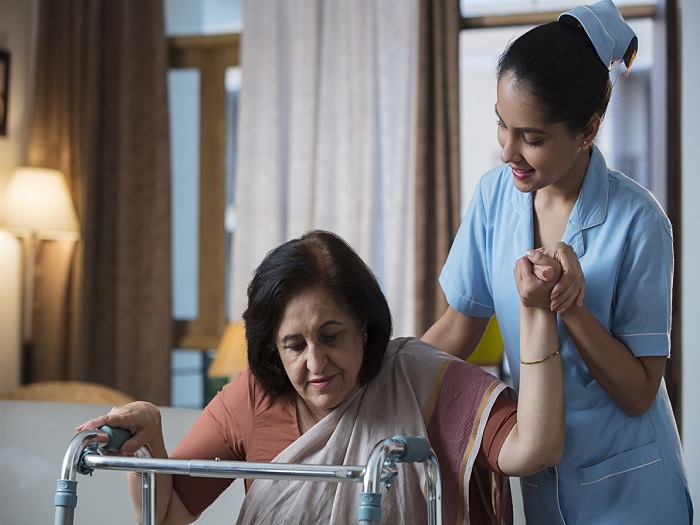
136 473
540 360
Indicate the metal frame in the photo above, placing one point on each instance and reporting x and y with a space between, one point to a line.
83 457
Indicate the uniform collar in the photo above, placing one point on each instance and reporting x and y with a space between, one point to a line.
592 203
590 208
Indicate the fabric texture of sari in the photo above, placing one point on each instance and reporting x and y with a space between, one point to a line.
419 391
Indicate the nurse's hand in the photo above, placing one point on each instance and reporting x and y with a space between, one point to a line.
536 275
141 419
571 288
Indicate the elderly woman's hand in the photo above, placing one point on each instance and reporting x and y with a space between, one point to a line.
571 287
141 419
535 277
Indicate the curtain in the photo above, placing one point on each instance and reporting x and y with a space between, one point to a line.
326 136
103 307
437 212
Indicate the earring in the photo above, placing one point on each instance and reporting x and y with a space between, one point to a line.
364 337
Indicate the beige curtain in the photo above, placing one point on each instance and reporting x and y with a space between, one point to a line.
437 167
103 305
328 107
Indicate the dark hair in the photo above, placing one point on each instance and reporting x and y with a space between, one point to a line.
318 259
559 66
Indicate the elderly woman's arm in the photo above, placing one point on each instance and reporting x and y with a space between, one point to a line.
537 439
143 421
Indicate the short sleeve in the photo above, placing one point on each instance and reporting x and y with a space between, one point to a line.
465 277
502 418
642 309
219 432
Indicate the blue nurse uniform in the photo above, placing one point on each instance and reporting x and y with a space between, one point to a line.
615 469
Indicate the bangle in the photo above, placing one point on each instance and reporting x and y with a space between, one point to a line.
540 360
136 473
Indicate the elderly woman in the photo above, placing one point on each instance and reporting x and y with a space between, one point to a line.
325 384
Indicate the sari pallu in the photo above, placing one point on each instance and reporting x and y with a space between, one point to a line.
419 391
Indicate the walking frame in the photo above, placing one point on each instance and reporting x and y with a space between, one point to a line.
83 457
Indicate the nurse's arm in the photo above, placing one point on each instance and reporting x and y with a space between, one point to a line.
456 333
632 382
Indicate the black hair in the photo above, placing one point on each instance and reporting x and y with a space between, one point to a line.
318 259
558 65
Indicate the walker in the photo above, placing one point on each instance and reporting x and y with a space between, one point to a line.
83 456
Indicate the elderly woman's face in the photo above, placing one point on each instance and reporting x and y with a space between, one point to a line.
321 347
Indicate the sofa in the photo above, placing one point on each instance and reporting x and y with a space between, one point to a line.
34 436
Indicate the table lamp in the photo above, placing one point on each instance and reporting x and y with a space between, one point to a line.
231 354
36 204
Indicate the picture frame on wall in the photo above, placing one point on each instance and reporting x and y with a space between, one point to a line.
4 89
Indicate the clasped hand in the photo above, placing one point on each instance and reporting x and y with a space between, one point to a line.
550 278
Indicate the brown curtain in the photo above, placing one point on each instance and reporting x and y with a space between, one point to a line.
101 116
437 177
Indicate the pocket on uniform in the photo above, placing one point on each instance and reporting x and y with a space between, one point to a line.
626 486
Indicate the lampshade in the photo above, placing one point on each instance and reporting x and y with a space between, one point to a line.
231 355
36 202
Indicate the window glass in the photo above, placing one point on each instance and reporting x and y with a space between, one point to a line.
203 17
183 91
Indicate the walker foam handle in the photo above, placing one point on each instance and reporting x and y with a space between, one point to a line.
117 437
417 449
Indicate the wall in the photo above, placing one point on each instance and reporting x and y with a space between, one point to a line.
18 36
690 254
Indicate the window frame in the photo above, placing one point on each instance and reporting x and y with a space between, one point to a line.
211 55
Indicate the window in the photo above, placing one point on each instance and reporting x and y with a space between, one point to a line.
204 80
203 87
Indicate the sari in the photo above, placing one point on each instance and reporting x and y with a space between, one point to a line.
419 391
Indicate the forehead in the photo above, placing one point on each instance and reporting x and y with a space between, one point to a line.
310 308
516 105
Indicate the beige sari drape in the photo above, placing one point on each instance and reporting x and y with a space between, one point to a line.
100 116
415 394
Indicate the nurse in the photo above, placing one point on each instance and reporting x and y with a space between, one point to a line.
622 461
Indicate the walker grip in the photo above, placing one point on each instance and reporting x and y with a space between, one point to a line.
117 437
417 449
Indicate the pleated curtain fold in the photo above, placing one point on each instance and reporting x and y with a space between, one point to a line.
103 305
437 186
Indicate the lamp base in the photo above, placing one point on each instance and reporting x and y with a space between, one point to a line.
27 361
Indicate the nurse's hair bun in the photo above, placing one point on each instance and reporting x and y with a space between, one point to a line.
613 39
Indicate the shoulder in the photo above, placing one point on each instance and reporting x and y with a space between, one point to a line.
253 423
416 353
413 349
636 194
494 194
496 184
242 401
